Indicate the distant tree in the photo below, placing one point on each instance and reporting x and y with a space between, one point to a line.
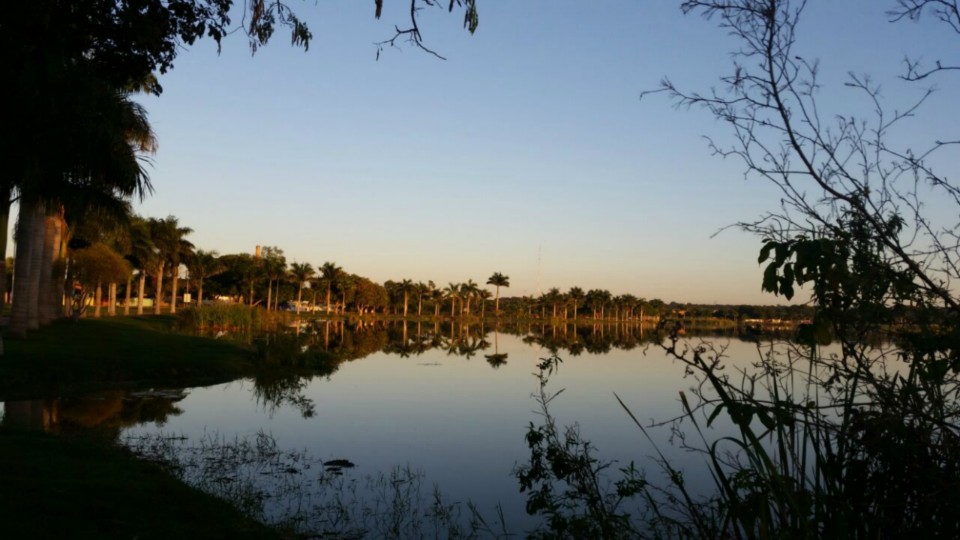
330 272
275 268
452 293
498 280
576 296
169 239
469 290
436 295
300 273
482 296
202 265
407 287
90 268
345 284
421 289
369 296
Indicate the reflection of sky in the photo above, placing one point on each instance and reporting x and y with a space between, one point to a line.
461 422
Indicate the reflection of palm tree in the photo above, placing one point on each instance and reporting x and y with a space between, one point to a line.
496 359
498 280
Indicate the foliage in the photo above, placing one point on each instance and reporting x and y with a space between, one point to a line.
98 264
232 317
565 481
314 498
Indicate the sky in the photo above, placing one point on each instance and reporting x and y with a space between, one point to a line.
528 151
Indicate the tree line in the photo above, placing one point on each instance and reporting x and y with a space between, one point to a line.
140 264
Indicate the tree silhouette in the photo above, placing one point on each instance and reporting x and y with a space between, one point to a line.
498 280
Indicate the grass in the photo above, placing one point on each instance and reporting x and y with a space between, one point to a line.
117 352
67 487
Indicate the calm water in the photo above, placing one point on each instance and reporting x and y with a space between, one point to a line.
443 401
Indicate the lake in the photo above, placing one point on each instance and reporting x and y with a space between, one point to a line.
449 402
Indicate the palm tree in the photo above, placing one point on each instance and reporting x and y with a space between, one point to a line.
498 280
421 289
275 268
93 154
202 265
142 255
406 287
576 296
168 237
329 272
553 298
469 290
300 272
437 296
452 291
345 283
483 296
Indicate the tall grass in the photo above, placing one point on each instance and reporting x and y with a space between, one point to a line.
312 498
233 318
862 443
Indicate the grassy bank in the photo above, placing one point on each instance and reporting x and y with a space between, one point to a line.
65 487
92 354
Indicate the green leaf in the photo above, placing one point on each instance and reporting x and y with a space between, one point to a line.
714 414
765 251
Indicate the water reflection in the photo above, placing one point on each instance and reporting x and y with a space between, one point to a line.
288 361
106 413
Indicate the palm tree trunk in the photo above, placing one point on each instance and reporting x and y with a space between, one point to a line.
497 308
173 287
269 293
37 255
159 286
200 292
328 298
22 271
4 224
47 293
126 300
142 289
98 296
299 296
112 299
405 298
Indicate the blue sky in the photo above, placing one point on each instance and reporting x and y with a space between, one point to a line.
529 139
